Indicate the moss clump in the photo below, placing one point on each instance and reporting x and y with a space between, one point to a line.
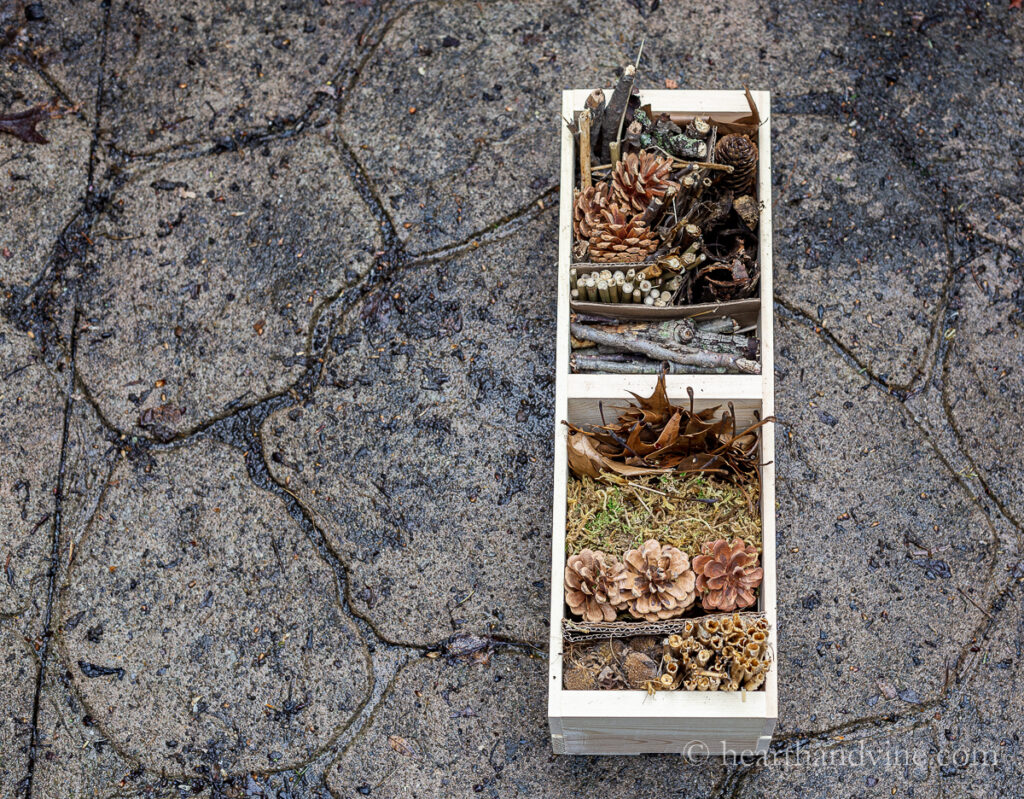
615 513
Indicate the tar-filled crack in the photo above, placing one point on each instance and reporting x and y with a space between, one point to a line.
54 567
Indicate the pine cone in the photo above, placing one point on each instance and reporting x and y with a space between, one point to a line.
740 153
639 178
728 573
658 582
587 207
621 238
592 584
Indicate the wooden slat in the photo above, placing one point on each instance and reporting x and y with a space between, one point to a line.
711 387
570 101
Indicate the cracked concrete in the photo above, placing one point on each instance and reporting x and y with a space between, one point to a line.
277 313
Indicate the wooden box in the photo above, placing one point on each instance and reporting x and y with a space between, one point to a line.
632 722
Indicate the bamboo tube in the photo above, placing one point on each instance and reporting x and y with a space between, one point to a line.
602 291
627 292
638 296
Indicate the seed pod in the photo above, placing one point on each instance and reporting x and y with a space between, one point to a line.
698 128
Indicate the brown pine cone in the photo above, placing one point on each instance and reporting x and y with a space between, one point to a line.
592 582
658 582
587 207
740 153
621 238
727 575
639 669
640 177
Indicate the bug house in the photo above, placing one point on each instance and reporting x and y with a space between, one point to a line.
663 634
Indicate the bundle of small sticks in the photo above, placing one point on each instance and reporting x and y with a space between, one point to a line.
625 286
681 346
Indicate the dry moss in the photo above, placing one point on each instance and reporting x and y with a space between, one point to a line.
685 510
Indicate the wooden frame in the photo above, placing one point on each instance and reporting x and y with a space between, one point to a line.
631 722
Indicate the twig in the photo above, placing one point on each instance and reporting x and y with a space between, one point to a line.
586 117
969 599
612 366
678 164
708 360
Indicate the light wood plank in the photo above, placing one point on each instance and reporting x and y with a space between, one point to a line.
560 466
736 387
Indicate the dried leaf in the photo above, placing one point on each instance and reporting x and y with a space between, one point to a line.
887 689
22 124
653 436
585 460
402 746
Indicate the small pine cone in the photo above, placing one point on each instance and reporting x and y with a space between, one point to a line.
640 177
741 154
621 238
727 575
658 582
579 678
587 207
639 669
592 585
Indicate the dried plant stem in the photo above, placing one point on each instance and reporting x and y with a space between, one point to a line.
586 117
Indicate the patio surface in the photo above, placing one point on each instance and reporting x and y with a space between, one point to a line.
277 313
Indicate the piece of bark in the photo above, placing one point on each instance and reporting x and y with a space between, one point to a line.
708 360
614 122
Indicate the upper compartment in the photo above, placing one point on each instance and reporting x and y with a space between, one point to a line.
665 247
